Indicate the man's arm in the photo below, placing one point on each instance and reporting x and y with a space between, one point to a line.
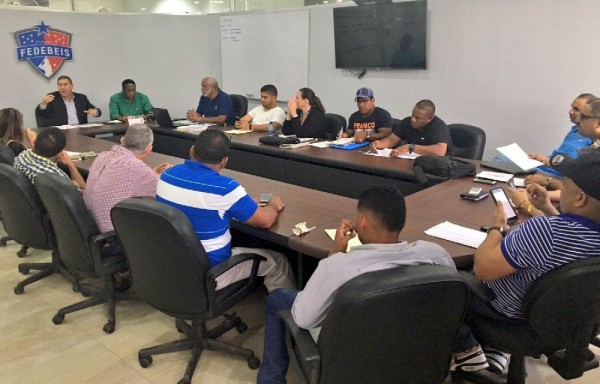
490 264
265 217
343 234
389 142
438 149
76 177
113 109
147 106
540 198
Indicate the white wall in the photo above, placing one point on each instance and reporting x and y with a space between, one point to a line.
511 67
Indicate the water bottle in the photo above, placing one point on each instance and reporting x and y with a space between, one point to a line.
271 129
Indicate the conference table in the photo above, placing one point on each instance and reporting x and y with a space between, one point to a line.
324 210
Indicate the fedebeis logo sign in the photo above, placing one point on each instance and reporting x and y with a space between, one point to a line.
44 48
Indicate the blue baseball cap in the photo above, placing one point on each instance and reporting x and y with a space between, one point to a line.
364 93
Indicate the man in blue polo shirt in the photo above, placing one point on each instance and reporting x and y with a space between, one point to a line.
211 200
510 265
215 106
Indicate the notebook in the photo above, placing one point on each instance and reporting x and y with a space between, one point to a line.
506 167
163 119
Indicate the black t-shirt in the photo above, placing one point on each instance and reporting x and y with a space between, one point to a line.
433 133
379 118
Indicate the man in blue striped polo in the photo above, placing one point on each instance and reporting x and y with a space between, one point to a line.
211 200
510 265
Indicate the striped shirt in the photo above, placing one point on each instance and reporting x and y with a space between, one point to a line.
538 246
210 200
32 164
116 175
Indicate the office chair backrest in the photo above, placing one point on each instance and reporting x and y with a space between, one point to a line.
563 306
335 123
240 105
167 262
393 326
7 156
468 141
23 215
73 224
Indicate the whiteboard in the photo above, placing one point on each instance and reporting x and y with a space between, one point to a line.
265 48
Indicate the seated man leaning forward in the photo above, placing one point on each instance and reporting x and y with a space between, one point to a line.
423 133
259 117
212 200
120 174
214 107
129 102
369 122
47 151
381 217
510 265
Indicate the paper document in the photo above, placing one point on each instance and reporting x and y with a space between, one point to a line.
238 131
343 141
114 122
66 126
285 136
194 128
321 144
518 156
498 176
352 243
411 156
81 155
519 183
89 125
380 152
457 234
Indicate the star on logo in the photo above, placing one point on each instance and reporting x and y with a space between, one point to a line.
42 28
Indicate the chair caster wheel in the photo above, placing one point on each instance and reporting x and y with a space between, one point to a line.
179 327
19 289
75 287
241 328
145 361
22 253
23 270
253 362
2 243
58 318
184 381
109 327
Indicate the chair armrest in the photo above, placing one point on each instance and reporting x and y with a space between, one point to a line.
476 287
223 266
301 337
103 262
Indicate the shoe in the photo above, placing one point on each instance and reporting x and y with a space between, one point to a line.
497 360
469 361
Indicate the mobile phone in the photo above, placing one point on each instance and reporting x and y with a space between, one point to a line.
499 195
265 197
484 181
474 191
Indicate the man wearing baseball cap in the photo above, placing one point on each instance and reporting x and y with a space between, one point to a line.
423 133
510 265
369 122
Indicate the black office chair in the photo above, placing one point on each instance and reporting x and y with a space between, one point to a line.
468 141
170 271
391 326
335 124
80 244
562 309
240 105
7 157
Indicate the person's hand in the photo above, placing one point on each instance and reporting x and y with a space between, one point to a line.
292 106
161 168
375 145
276 203
359 137
535 179
518 198
64 158
344 233
92 112
401 150
193 116
243 125
47 99
344 135
500 217
538 157
538 196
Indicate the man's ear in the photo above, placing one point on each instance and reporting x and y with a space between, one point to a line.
224 162
122 139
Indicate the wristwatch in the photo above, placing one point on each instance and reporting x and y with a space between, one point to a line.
411 148
497 228
368 134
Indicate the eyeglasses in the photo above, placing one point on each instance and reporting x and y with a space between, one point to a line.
588 117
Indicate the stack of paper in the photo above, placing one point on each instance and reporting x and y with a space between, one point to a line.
498 176
457 234
238 131
518 156
343 141
352 243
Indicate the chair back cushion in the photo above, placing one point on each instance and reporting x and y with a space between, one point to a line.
335 123
7 156
240 105
167 262
73 224
393 326
23 215
468 141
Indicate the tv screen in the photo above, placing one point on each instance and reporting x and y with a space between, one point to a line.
381 35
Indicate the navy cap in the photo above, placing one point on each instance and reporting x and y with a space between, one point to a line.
584 171
364 93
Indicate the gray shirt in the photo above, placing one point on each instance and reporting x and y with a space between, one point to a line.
311 305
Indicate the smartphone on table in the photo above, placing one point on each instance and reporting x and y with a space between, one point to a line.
499 195
264 199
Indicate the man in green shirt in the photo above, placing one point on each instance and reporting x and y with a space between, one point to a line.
129 102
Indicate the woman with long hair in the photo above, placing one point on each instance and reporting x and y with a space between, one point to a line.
305 116
12 131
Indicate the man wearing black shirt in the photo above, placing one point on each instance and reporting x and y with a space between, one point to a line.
369 122
423 133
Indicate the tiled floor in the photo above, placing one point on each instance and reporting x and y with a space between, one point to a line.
33 350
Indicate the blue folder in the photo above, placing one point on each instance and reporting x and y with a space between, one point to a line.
349 147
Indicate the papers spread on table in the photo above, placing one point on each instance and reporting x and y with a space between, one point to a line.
411 156
321 144
343 141
67 126
194 128
238 131
457 234
81 155
498 176
518 156
380 152
352 243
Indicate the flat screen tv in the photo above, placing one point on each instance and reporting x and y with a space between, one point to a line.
382 35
